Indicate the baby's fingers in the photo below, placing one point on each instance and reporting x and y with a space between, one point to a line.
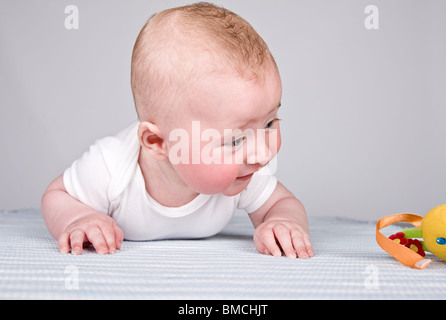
96 237
302 245
308 245
284 238
64 242
113 236
266 242
110 239
77 241
119 236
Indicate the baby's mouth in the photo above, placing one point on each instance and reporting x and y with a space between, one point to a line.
244 178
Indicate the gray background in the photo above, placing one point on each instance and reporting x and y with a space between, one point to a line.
364 111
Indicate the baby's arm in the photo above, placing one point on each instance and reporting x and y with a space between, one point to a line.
73 223
282 220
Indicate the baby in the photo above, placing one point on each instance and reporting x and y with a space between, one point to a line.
207 92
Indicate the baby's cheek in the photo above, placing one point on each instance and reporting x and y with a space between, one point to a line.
279 143
208 178
275 144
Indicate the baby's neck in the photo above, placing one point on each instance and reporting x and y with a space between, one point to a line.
163 183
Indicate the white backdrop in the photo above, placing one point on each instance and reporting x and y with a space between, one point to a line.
364 110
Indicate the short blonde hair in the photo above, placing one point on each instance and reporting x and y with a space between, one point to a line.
176 45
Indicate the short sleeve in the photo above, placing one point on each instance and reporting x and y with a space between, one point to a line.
258 191
88 178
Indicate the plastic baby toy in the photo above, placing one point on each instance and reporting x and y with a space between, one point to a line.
404 246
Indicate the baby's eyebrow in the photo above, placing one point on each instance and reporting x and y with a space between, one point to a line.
275 108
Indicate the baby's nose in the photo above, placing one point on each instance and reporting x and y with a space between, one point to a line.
261 154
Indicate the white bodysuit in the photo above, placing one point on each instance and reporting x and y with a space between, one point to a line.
108 179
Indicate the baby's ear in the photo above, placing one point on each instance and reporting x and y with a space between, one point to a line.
151 139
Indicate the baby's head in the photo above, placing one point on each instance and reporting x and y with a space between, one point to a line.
204 65
177 46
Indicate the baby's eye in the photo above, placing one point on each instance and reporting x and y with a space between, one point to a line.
237 142
270 124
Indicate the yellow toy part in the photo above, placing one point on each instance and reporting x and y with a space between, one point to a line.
433 229
410 251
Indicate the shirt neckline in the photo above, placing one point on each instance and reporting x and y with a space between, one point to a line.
173 212
177 212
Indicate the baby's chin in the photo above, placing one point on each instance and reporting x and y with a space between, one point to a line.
236 187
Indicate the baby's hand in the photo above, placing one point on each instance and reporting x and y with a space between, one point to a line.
273 235
98 229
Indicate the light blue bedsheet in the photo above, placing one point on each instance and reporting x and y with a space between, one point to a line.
348 264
